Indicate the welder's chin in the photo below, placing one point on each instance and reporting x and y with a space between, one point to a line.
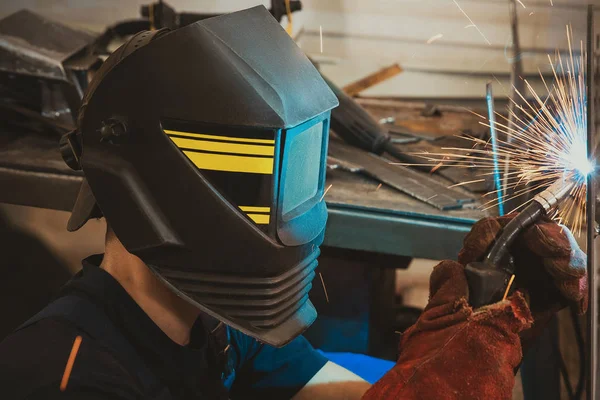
274 311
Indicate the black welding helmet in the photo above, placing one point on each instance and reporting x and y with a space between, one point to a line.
205 149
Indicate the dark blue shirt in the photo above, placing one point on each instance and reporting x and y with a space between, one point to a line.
32 360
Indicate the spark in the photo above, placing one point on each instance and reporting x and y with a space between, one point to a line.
321 37
325 192
472 23
552 3
501 85
324 288
469 26
378 187
521 3
549 142
434 38
531 13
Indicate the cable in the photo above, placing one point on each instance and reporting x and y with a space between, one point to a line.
582 357
564 372
578 393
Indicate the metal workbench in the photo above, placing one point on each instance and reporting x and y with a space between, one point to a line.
382 220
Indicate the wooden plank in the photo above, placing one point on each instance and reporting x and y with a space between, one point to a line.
372 80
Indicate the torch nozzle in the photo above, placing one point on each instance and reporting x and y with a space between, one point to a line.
552 195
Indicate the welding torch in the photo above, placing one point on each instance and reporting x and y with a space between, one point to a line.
489 280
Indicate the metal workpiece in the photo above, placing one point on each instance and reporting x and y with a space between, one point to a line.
414 183
555 193
344 165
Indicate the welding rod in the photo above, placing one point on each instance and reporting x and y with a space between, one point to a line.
494 136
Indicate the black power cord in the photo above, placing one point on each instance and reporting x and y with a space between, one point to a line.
582 356
564 372
577 393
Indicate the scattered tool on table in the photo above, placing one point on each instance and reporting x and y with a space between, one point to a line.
415 184
353 123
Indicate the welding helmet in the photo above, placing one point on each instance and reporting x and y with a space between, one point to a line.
205 149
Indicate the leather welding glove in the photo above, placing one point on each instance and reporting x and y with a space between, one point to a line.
455 352
550 268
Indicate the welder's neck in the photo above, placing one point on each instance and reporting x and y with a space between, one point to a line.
173 315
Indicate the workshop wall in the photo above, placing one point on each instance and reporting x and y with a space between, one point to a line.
360 37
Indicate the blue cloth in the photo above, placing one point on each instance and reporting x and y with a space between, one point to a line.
371 369
267 372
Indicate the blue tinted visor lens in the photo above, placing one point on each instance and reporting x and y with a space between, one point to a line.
301 213
303 165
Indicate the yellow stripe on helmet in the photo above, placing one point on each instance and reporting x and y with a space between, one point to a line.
230 163
255 209
216 137
224 147
260 219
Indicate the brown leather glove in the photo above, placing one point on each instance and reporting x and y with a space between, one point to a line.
453 352
550 266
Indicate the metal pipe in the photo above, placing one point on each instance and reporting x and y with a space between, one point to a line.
516 83
592 314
